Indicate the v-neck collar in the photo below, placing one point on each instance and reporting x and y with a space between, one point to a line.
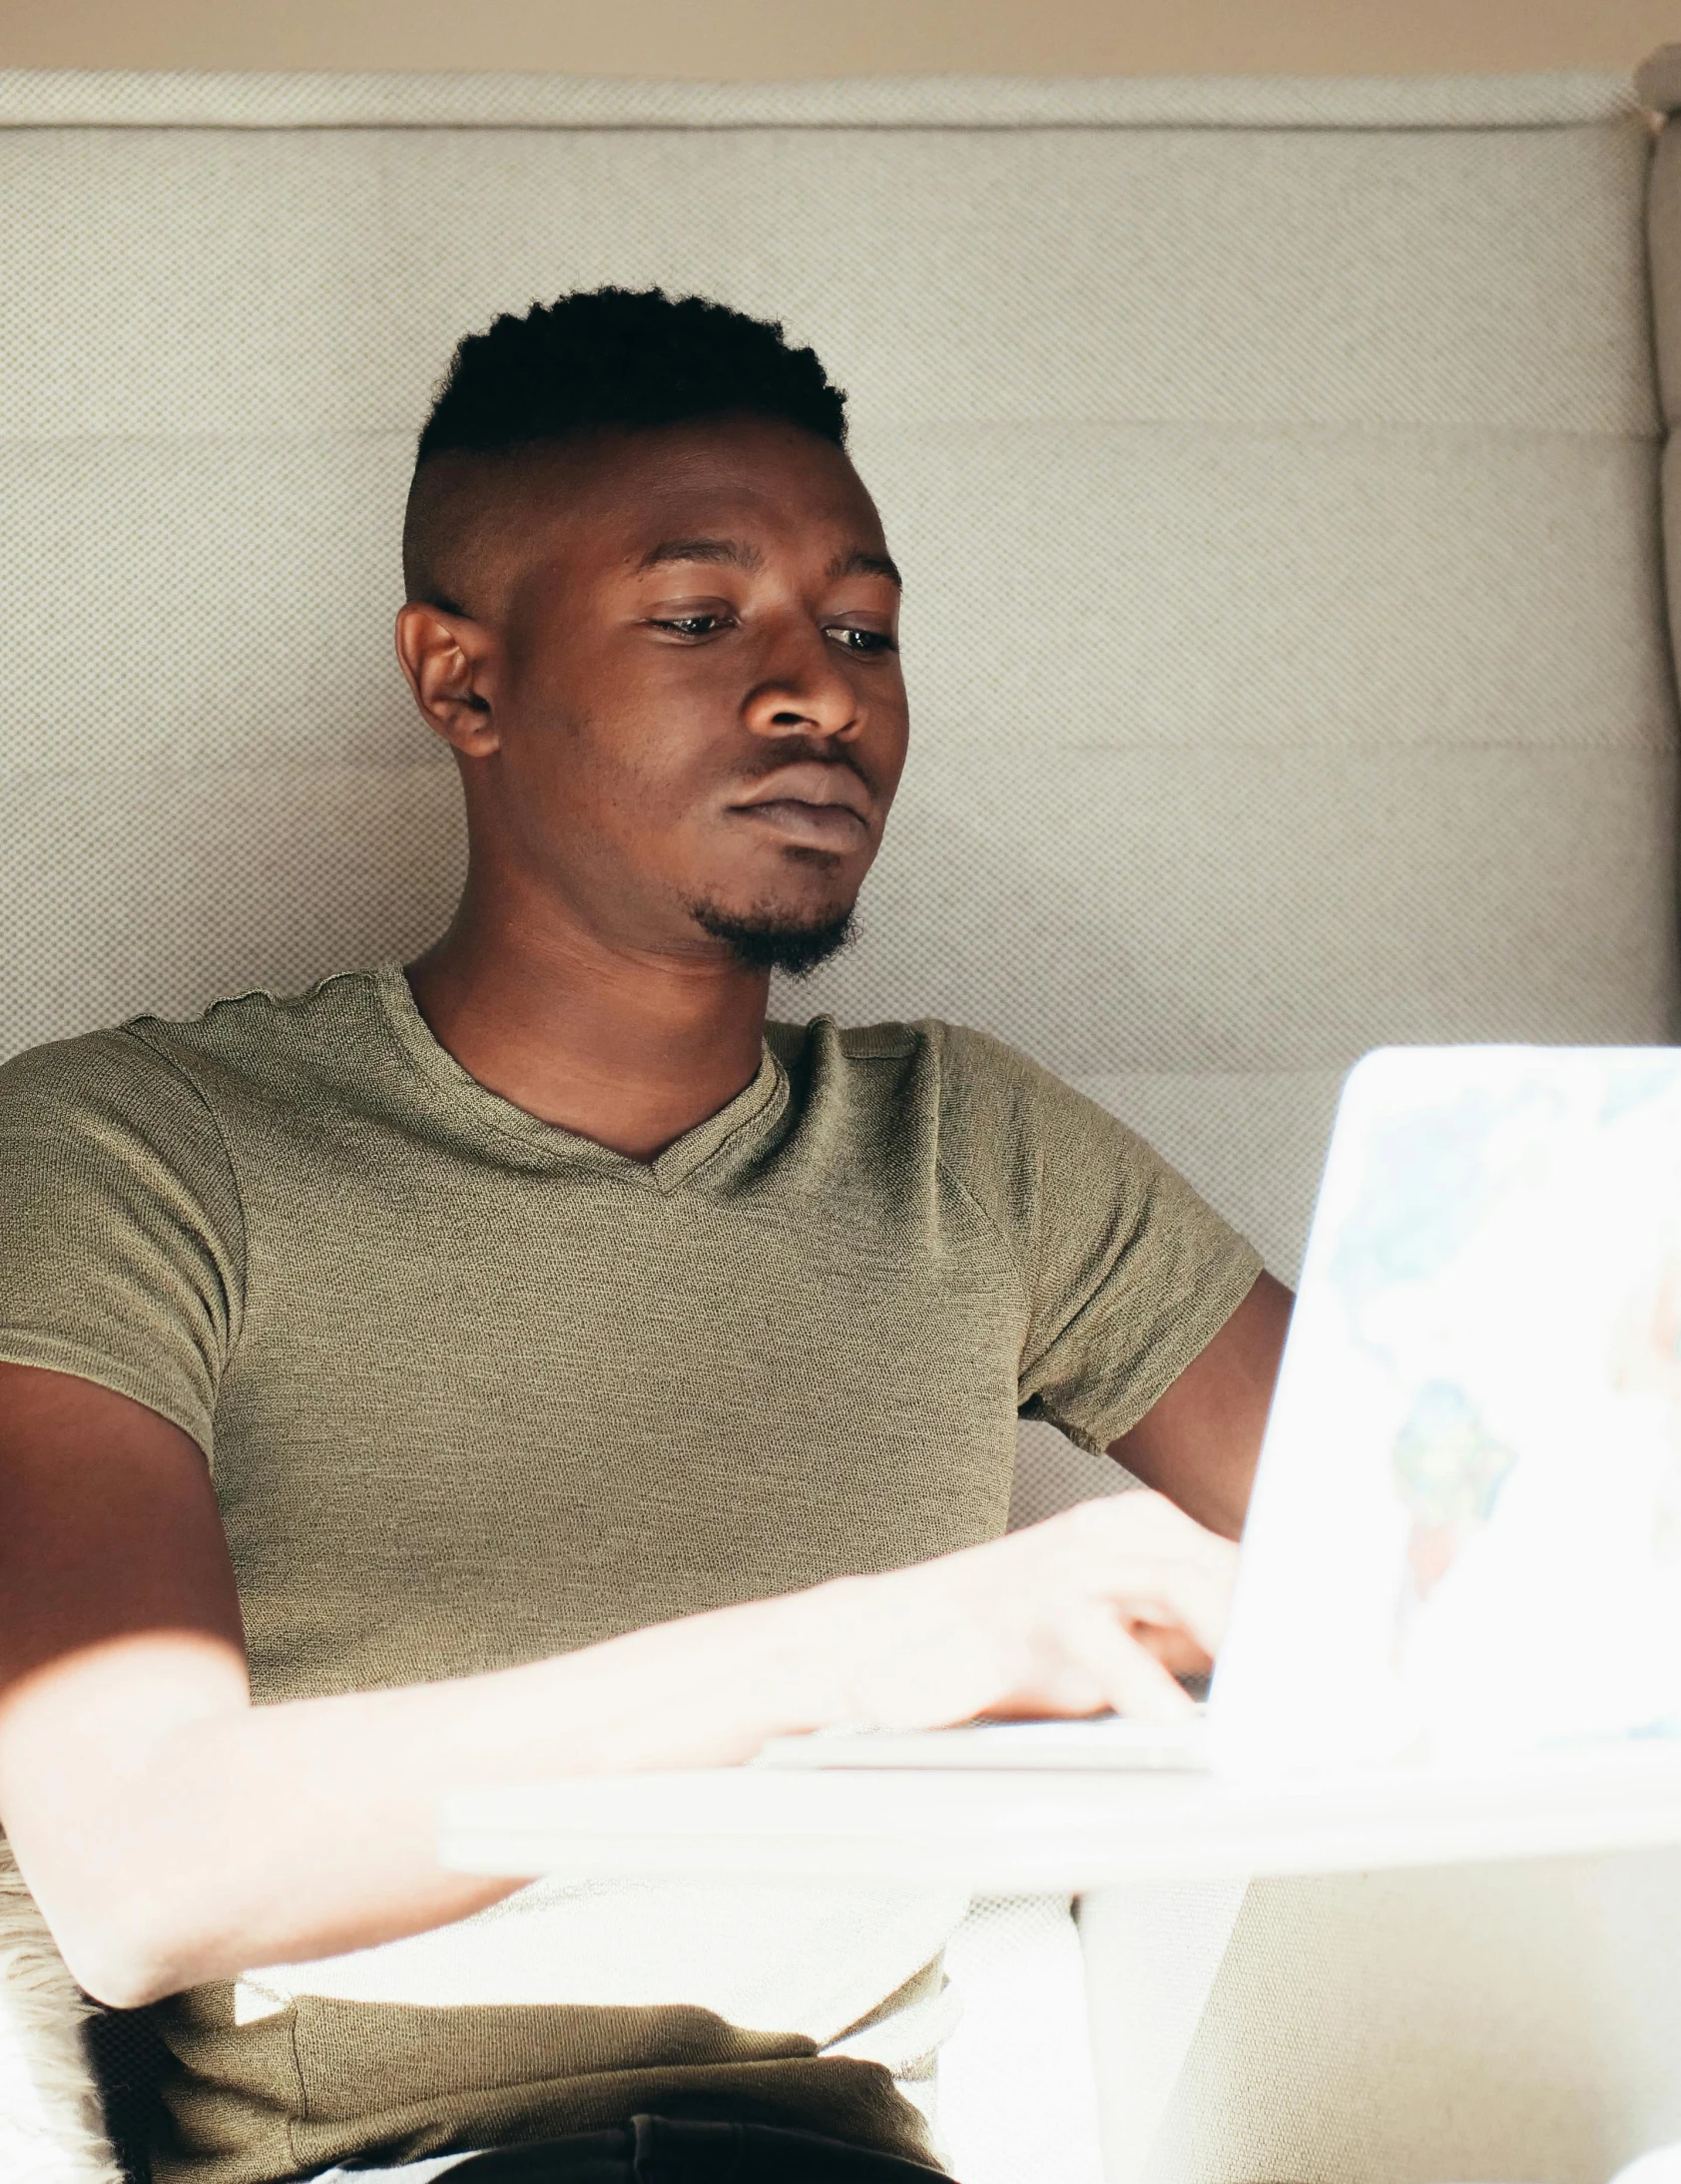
746 1118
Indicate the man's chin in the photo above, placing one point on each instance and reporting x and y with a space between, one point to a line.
768 939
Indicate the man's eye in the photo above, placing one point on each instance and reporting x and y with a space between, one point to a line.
866 642
691 624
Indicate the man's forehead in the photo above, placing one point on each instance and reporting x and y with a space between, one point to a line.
744 493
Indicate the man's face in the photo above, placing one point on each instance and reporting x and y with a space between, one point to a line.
691 676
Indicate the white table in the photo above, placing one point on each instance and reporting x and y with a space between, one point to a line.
1061 1832
1159 1859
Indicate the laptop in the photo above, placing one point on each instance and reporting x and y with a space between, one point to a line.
1465 1541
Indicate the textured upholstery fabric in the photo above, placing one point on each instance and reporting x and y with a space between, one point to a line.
1276 469
164 98
1518 2020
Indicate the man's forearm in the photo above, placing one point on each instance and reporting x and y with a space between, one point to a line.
174 1833
243 1836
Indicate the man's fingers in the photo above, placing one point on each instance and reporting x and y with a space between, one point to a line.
1132 1681
1191 1594
1090 1609
1174 1647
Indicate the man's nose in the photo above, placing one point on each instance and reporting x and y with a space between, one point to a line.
807 692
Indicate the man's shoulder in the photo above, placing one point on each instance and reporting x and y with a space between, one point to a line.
236 1042
977 1098
930 1041
797 1045
258 1024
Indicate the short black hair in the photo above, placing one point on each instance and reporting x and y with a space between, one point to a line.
625 357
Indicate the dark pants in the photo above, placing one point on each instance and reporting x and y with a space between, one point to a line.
668 2150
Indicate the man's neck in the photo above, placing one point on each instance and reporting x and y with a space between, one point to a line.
630 1047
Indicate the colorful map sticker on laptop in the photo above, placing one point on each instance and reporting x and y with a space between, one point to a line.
1466 1536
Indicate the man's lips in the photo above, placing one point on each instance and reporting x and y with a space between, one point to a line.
812 825
818 807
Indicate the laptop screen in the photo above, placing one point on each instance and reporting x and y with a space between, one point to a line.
1465 1538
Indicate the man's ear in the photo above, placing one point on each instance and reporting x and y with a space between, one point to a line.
450 662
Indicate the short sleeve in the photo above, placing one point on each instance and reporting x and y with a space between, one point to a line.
122 1248
1127 1272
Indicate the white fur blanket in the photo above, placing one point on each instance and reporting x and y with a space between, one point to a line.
52 2130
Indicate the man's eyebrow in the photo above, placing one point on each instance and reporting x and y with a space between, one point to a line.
737 553
732 551
859 563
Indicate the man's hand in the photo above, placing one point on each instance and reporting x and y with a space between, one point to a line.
1099 1607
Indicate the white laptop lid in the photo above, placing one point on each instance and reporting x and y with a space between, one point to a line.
1465 1538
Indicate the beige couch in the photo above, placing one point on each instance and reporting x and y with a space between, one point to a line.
1278 472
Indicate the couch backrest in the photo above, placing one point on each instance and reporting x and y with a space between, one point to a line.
1275 466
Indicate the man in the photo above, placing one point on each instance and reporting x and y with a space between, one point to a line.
532 1363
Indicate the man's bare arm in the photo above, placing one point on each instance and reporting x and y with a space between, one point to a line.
1199 1442
173 1833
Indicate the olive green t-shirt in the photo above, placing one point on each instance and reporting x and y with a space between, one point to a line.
474 1390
